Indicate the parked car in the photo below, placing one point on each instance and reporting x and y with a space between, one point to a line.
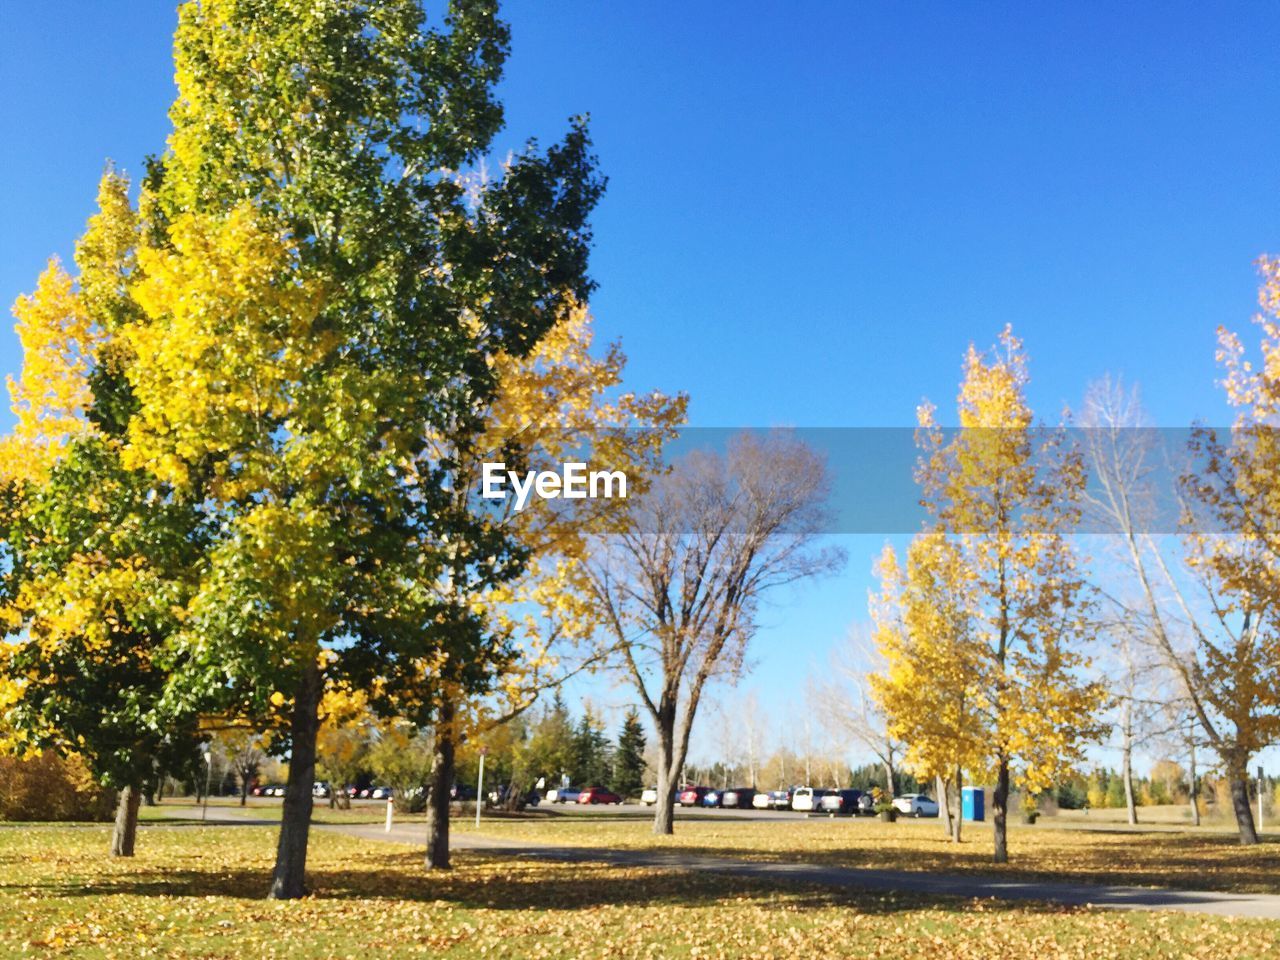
692 796
806 799
711 798
761 800
738 798
320 790
598 795
779 799
915 805
866 805
461 792
380 793
650 797
563 795
843 802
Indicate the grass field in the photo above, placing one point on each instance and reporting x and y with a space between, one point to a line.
1186 859
197 892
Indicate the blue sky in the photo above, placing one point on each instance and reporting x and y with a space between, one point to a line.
813 209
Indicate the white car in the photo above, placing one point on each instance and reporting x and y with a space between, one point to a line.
649 797
806 799
761 800
915 805
563 795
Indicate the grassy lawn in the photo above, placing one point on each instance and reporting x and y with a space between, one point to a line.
197 892
1186 859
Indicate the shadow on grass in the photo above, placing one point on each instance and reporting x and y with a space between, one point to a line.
482 881
1206 863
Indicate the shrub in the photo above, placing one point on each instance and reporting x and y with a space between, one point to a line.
48 787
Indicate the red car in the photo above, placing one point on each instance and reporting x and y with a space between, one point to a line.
598 795
692 796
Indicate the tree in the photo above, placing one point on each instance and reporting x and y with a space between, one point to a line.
343 740
628 757
859 714
591 753
1234 548
678 589
930 688
98 555
536 623
244 752
400 758
1222 649
1005 494
321 293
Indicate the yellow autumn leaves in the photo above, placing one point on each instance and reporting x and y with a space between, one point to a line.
227 337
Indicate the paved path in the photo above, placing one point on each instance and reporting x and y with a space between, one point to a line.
1258 905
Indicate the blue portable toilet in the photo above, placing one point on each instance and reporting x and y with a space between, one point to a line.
973 804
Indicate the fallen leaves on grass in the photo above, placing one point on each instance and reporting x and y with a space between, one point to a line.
195 892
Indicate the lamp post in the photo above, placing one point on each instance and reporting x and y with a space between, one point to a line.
208 778
480 786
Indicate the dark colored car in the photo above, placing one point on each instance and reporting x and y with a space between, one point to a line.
462 792
779 799
692 796
711 798
738 798
843 802
598 795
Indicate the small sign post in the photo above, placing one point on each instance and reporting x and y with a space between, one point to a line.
391 805
480 785
1260 787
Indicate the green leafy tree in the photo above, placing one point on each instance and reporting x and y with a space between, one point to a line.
98 556
628 758
591 753
323 290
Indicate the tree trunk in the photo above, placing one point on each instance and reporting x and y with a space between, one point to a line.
244 790
1240 803
289 879
1126 762
1000 820
664 814
1195 787
889 788
959 818
439 791
126 828
944 802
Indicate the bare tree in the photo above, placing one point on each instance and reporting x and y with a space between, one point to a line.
242 751
678 590
754 724
1207 646
856 711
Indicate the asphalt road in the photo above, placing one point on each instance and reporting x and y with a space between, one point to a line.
968 886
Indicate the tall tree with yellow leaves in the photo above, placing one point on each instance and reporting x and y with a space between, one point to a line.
321 293
929 688
99 556
1006 493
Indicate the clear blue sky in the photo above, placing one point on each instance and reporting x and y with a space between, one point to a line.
812 209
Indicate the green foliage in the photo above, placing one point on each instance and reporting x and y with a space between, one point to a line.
628 758
592 752
401 758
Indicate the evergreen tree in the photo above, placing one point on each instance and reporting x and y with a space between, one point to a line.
628 759
590 752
